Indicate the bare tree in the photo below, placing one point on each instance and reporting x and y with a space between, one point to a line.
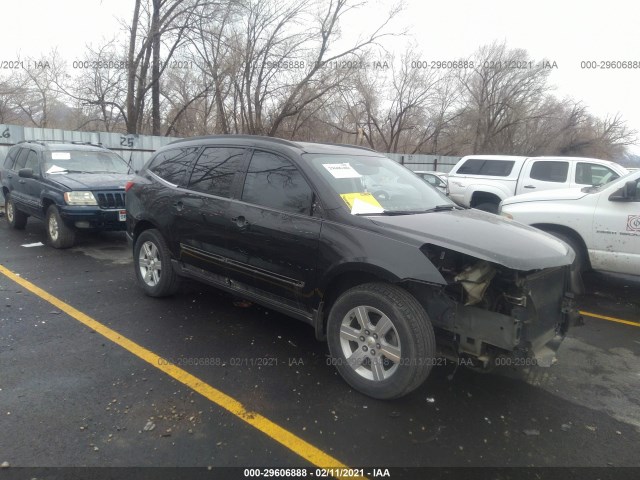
99 88
35 94
502 92
156 32
271 61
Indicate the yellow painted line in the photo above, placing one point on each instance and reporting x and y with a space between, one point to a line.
609 319
291 441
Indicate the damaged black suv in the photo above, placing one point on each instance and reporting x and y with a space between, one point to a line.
382 265
72 186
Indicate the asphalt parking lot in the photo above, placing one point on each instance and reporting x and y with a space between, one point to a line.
88 378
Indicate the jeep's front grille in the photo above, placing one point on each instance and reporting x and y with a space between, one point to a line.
110 199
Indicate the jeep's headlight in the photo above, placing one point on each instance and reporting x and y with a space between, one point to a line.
80 198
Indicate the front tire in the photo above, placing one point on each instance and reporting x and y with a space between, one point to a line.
381 340
152 262
579 264
58 234
15 218
488 207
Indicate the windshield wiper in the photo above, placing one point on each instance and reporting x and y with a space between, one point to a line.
437 208
65 170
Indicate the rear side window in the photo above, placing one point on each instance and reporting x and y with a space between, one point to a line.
215 170
11 158
493 168
593 174
172 165
273 181
550 171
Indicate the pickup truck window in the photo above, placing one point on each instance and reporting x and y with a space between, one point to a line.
590 174
494 168
550 171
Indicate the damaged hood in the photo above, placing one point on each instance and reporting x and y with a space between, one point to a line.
484 236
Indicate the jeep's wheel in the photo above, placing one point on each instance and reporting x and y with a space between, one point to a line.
58 234
579 264
152 261
15 217
381 340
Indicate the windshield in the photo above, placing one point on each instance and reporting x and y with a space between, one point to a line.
377 185
84 161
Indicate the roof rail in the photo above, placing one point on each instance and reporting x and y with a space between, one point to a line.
72 142
238 137
348 145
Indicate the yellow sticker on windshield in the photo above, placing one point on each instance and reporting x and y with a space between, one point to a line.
362 203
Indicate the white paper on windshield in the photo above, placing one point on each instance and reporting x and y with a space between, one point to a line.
60 156
362 208
341 170
56 169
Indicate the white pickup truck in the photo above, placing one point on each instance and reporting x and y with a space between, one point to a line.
483 181
601 224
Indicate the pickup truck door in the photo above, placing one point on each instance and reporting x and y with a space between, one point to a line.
616 233
541 175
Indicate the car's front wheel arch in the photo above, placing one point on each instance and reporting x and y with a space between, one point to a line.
381 340
582 261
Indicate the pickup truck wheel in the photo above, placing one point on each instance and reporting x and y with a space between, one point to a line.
15 217
152 261
381 340
579 264
58 234
488 207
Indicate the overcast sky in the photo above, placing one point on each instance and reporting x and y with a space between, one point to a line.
567 32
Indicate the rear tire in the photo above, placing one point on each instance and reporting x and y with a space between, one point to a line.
152 263
58 234
381 340
579 264
15 218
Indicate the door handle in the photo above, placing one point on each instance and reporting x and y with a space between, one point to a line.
529 186
21 181
240 221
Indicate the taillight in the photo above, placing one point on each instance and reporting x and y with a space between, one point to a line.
128 185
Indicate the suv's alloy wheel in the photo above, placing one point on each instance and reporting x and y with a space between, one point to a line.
381 340
152 260
15 217
58 234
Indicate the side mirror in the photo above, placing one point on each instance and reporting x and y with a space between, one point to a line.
26 173
626 193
